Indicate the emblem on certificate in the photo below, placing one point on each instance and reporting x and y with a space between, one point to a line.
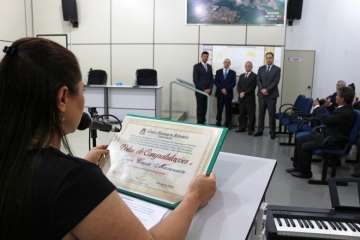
155 160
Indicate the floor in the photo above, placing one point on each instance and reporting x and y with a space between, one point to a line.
283 189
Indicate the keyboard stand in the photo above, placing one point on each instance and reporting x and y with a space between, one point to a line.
335 202
259 225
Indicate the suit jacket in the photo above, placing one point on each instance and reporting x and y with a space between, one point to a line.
339 122
333 105
228 83
356 105
248 86
270 82
333 98
203 79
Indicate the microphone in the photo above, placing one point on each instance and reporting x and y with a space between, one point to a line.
88 122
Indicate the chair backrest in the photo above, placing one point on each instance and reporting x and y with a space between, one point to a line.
306 105
146 77
355 128
299 101
97 77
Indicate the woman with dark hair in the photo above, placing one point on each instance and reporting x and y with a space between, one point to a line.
352 86
44 193
356 99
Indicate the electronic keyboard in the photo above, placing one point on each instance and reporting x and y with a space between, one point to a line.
285 222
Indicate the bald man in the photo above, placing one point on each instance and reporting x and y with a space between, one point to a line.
246 88
225 80
330 101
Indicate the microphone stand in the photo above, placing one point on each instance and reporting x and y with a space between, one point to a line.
93 132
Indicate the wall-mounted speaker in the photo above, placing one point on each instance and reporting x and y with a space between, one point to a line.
70 11
294 10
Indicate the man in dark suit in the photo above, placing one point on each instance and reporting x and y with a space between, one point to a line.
268 79
225 80
203 80
339 122
356 106
357 174
246 89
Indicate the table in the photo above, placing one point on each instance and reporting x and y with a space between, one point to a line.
123 100
242 182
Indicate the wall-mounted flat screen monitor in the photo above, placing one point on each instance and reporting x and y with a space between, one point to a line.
241 12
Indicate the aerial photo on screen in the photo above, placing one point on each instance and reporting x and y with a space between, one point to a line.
256 12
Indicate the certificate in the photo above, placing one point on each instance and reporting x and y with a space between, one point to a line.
155 160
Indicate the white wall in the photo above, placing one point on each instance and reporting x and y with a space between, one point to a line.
13 21
122 36
332 29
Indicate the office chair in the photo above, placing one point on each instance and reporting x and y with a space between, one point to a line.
295 118
97 77
146 77
289 110
335 154
304 127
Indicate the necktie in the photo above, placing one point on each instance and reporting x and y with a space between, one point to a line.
246 75
225 74
268 69
205 66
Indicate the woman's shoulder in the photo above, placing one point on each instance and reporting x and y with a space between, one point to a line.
54 165
68 188
58 158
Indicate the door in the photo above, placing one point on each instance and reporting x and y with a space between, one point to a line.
298 74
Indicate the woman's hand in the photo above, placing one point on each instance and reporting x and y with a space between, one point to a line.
96 153
202 188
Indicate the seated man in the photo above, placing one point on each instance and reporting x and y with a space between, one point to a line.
357 174
339 122
356 105
330 101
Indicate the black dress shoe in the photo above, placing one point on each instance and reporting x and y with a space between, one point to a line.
356 174
272 135
250 133
241 130
301 175
257 134
290 170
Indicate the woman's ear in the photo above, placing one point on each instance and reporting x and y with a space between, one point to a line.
62 98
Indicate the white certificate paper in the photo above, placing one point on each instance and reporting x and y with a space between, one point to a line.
149 214
156 160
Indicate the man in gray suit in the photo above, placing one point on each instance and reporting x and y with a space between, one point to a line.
204 81
268 79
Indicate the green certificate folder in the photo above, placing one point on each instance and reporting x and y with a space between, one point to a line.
156 159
